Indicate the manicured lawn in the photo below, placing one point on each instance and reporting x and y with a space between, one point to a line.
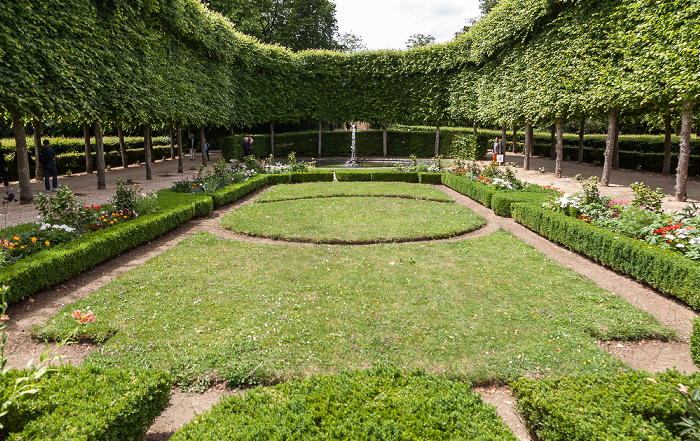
486 309
337 189
354 220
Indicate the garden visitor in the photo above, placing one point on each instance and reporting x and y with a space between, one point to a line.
498 149
206 149
3 167
247 149
47 157
192 146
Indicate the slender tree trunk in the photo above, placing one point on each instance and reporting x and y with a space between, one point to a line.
230 130
320 136
88 153
613 128
528 145
560 147
178 131
515 139
38 167
684 156
553 142
272 138
616 150
475 129
100 157
172 143
437 141
504 138
147 149
667 144
385 146
122 146
581 130
202 141
25 189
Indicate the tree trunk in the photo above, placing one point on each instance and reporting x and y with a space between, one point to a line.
178 131
100 157
320 136
613 128
616 150
560 147
202 141
172 143
684 156
504 138
437 141
553 142
581 129
38 168
385 147
475 129
147 149
230 131
272 138
515 139
667 144
122 146
528 145
25 189
88 153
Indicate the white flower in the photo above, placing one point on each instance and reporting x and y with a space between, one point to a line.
682 236
693 241
680 245
670 237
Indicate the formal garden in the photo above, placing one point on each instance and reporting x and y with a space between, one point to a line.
349 303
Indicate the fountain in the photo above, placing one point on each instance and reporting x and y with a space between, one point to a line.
353 161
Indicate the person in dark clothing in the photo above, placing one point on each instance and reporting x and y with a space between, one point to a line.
192 146
206 149
3 167
47 157
247 149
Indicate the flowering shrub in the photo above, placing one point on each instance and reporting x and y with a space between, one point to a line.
129 197
42 237
62 209
435 166
220 175
645 198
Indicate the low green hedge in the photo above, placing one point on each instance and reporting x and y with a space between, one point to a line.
232 193
279 178
353 175
393 176
372 404
77 145
695 342
430 178
87 403
479 192
633 406
502 200
667 271
64 261
317 176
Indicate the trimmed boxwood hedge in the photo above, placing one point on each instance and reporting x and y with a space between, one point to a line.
631 406
502 200
87 403
393 176
232 193
479 192
667 271
430 178
317 176
353 175
372 404
279 178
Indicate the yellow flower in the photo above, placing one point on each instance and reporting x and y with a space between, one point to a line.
15 238
111 222
33 239
48 244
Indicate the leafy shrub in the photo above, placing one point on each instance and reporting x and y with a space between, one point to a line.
353 175
64 208
88 404
645 197
373 404
695 342
279 178
322 176
467 147
502 201
630 406
395 177
481 193
430 178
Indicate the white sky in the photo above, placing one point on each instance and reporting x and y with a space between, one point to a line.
387 24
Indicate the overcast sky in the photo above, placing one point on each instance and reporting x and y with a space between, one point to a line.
387 24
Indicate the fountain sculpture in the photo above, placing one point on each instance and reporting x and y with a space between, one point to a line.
353 161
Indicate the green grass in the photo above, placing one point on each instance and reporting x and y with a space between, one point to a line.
337 189
357 220
481 310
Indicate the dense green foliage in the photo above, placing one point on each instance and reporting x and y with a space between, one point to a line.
373 404
87 404
631 406
481 193
349 189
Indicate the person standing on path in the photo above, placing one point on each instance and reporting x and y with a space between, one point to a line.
47 157
192 146
497 150
206 149
247 149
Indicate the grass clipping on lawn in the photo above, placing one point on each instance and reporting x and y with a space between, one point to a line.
483 310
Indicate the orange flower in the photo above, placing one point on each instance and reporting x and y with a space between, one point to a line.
47 243
33 239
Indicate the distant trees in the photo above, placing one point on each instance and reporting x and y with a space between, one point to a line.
418 40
